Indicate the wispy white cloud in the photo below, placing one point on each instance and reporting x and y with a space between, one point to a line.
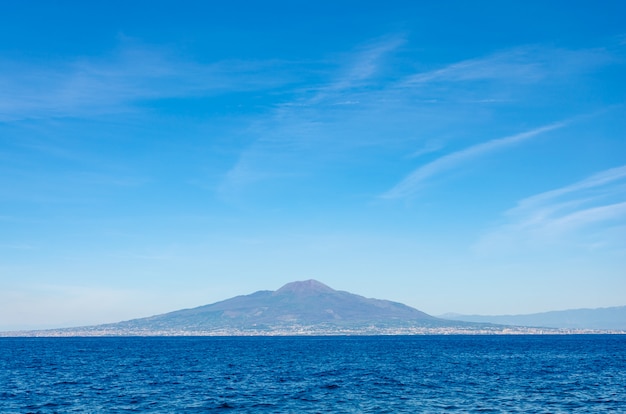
365 63
113 84
589 216
249 169
586 212
599 181
358 69
518 65
366 103
507 65
409 185
310 124
597 198
428 148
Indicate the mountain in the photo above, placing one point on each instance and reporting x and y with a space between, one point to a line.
299 308
301 305
613 318
306 308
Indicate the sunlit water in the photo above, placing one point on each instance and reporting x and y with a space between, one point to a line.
546 374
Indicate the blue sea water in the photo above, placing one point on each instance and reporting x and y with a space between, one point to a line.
405 374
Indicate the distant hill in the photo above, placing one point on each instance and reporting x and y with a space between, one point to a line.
613 318
298 304
299 308
312 308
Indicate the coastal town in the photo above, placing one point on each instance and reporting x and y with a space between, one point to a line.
303 330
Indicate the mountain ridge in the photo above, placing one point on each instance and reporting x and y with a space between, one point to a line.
303 302
606 318
306 307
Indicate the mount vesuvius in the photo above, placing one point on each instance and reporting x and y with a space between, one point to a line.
308 305
298 308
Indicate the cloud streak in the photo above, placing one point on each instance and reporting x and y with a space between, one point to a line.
366 103
307 127
518 65
409 185
114 84
366 63
594 182
596 204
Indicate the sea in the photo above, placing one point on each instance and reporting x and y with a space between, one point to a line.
352 374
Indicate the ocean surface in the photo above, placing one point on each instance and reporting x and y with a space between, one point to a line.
406 374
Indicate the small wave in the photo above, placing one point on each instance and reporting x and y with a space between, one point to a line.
225 406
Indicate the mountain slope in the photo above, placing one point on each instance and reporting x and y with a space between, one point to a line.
613 318
303 303
299 308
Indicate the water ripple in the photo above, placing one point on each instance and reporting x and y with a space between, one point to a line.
335 375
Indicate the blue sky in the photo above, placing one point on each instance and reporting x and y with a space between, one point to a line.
461 157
